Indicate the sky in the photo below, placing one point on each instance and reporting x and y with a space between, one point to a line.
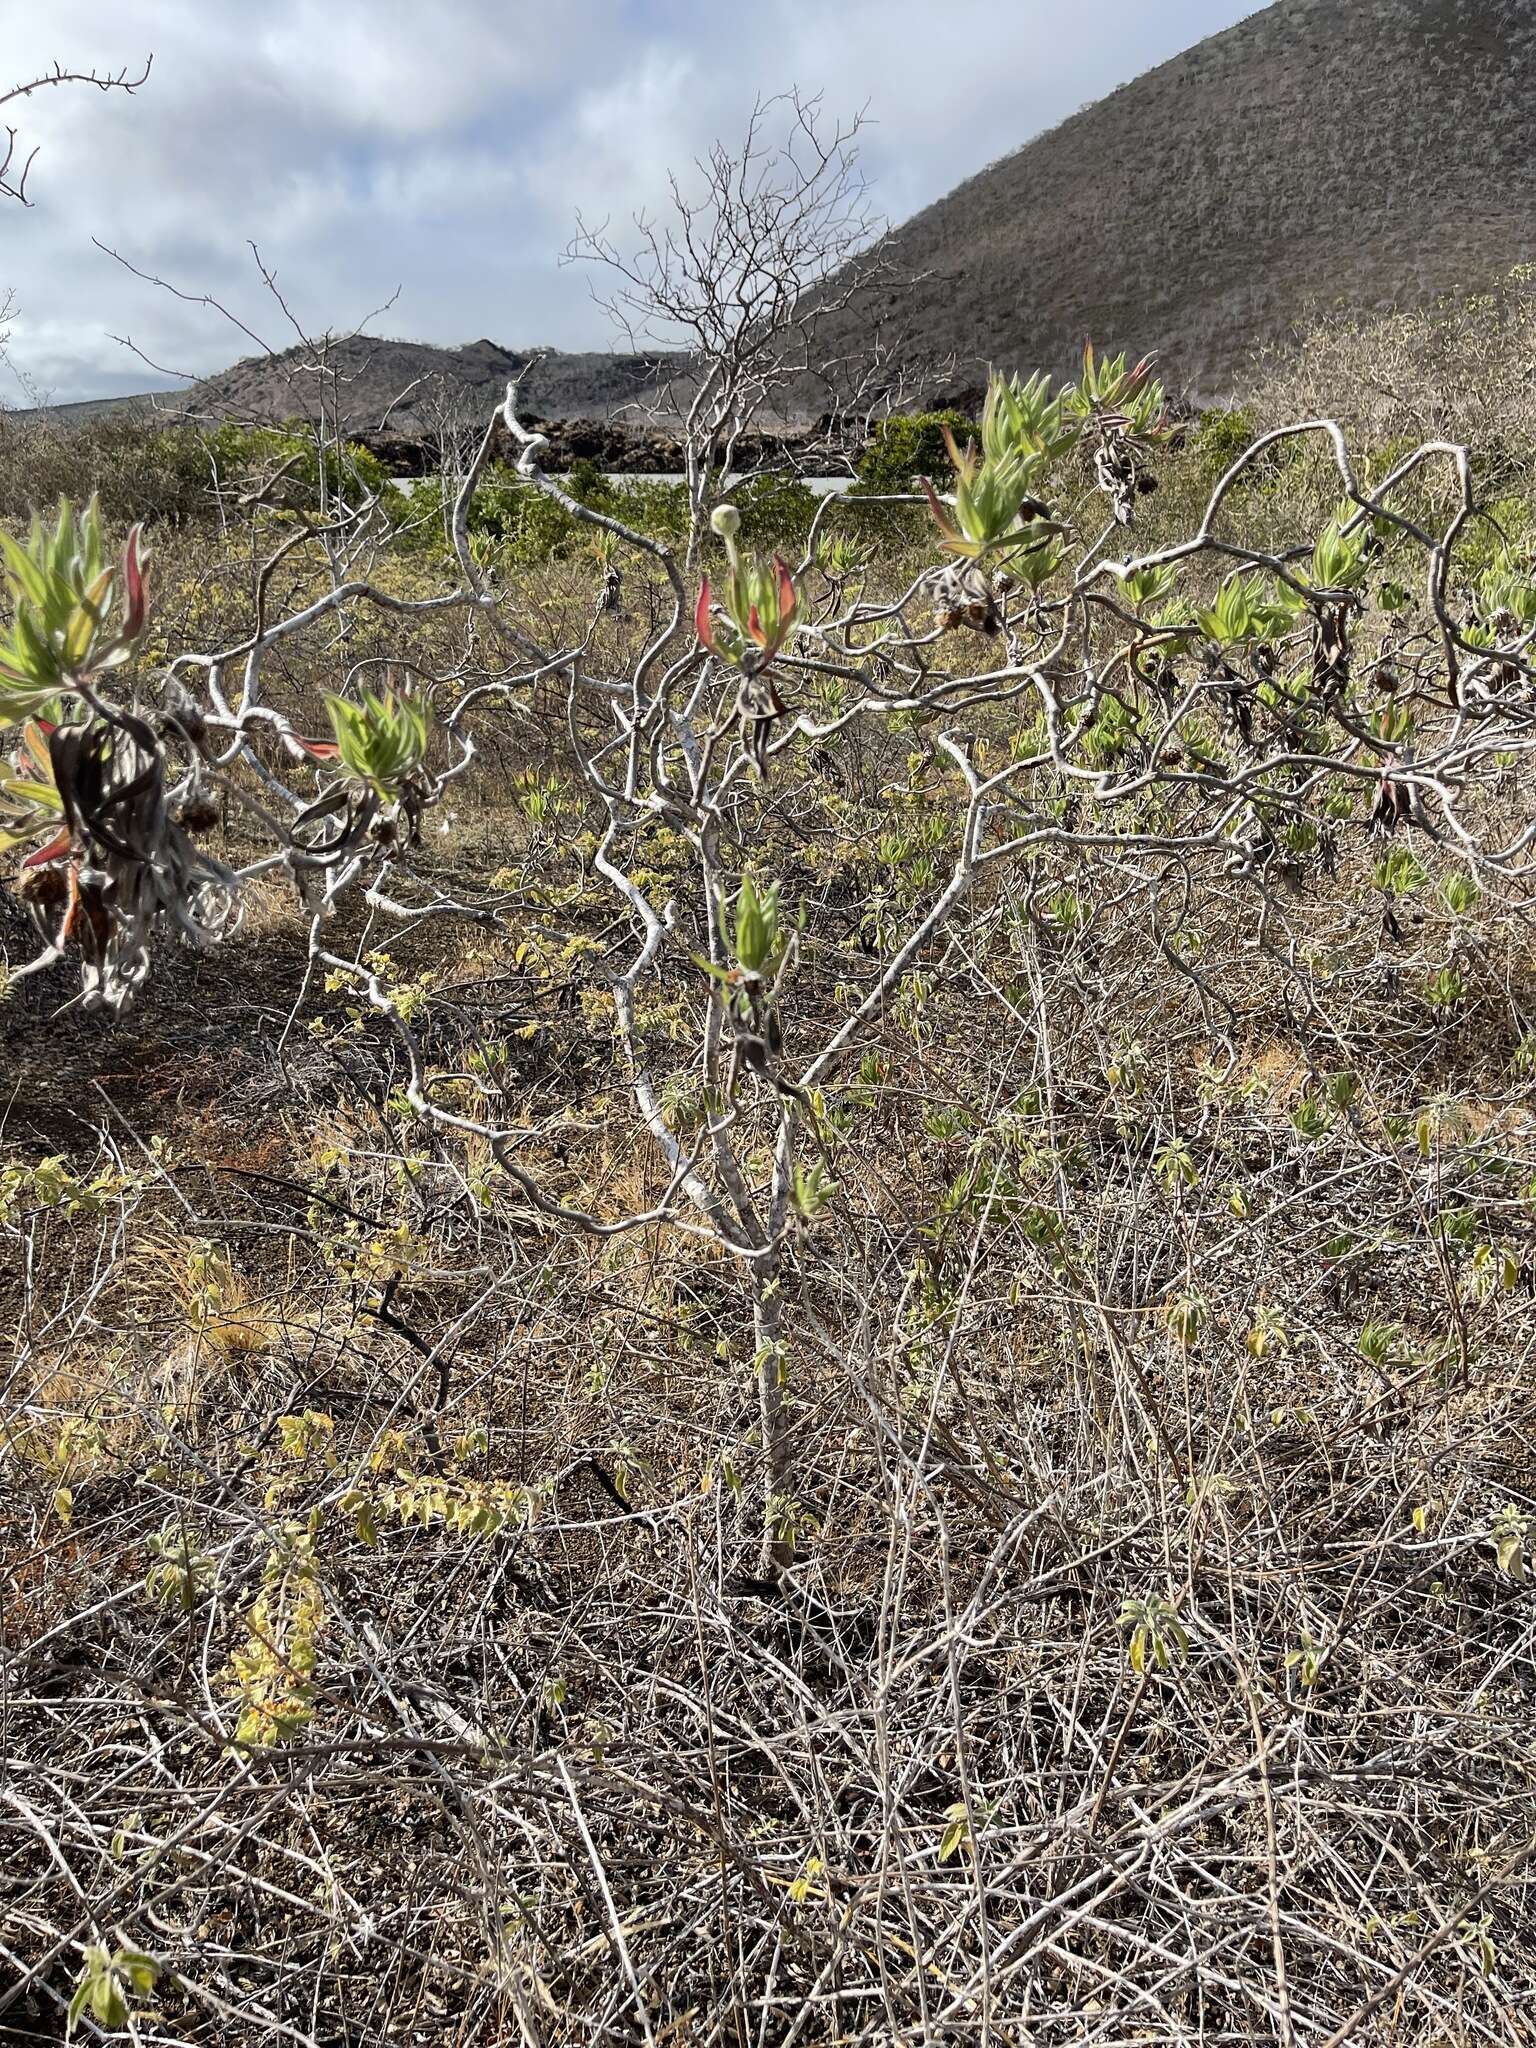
441 149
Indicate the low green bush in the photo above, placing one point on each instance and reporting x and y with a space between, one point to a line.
909 446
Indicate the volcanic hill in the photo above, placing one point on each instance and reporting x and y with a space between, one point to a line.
1355 154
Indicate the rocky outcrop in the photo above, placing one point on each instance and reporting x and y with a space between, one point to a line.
617 445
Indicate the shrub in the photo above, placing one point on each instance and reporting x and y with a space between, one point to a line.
309 471
997 1086
1220 436
153 471
776 510
906 447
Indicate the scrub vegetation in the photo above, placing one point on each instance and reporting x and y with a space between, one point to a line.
770 1260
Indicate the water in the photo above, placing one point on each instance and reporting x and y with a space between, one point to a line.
818 486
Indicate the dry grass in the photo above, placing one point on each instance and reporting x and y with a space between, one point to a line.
586 1779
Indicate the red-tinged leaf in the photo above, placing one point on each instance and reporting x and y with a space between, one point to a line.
35 735
941 516
133 580
755 627
964 459
701 624
789 597
318 750
56 849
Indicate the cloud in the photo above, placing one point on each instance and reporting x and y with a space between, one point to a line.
366 145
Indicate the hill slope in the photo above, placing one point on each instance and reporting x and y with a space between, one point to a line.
1366 153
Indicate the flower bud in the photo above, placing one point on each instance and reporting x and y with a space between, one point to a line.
726 521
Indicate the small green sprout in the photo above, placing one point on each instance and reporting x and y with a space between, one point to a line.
1245 614
1158 1638
839 555
63 593
814 1189
957 1830
1338 559
1480 1933
1312 1118
109 1980
381 742
1175 1167
1268 1334
1507 1535
993 498
1445 988
1460 892
758 932
1399 873
1108 387
1147 586
1306 1661
1185 1317
1378 1343
1506 598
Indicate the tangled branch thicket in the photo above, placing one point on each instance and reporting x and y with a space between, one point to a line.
814 1324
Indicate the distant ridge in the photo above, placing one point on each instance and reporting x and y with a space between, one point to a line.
81 411
402 390
405 388
1365 154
